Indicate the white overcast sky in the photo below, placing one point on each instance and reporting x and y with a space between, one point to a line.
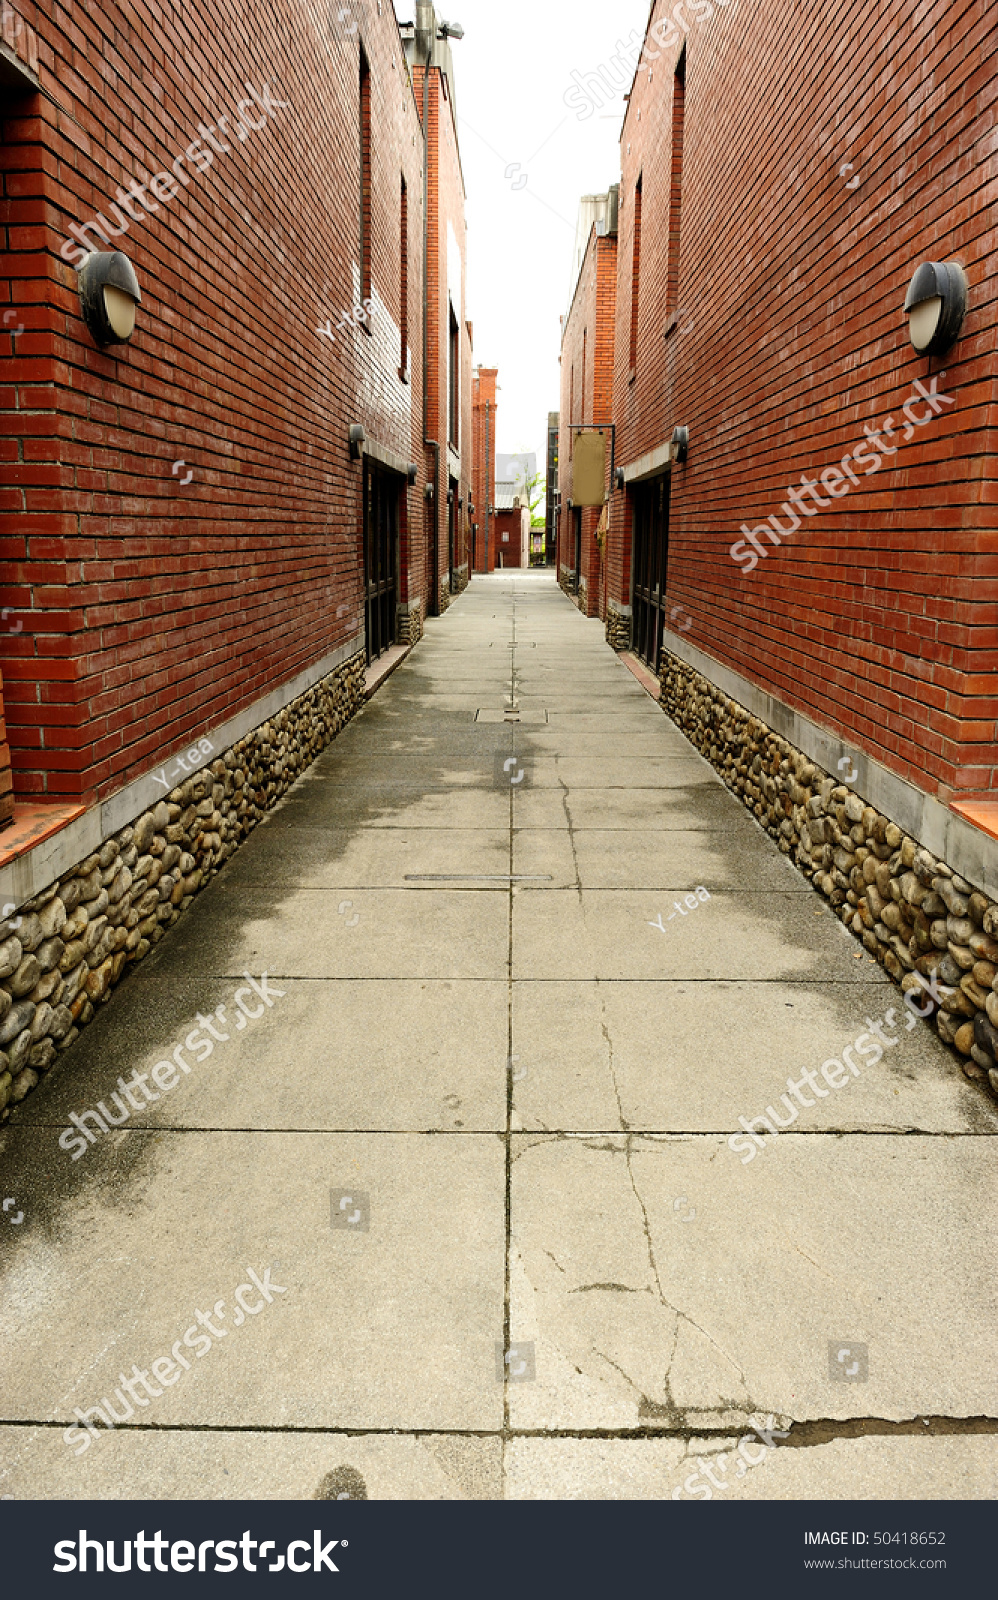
513 68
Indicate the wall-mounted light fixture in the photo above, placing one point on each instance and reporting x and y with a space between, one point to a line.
570 504
450 30
428 492
935 305
679 445
109 293
618 478
412 474
450 497
358 438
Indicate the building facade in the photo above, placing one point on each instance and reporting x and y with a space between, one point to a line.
760 305
215 465
552 490
483 493
587 371
802 539
446 364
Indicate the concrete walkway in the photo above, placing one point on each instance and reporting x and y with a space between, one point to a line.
477 1132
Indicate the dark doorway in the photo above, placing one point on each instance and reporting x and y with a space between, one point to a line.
651 562
453 512
577 528
381 557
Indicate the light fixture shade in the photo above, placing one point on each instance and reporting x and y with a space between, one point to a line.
109 292
936 304
680 444
357 439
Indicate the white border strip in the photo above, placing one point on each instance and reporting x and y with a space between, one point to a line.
54 857
971 853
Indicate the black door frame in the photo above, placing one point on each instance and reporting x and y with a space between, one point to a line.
452 516
381 519
649 566
577 520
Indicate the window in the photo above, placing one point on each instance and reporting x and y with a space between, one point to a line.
404 283
636 274
676 189
365 184
453 380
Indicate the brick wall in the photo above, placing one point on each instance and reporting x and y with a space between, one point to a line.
151 607
587 370
858 145
445 287
484 385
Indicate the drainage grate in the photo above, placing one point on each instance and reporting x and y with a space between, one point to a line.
534 717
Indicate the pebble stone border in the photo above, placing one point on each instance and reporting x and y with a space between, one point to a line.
914 914
618 630
68 947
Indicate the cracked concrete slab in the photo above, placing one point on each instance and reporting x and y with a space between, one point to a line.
332 1054
378 857
695 1057
434 1042
419 932
143 1464
661 1278
667 860
653 1469
115 1275
614 933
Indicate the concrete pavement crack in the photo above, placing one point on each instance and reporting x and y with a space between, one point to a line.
680 1314
609 1045
609 1288
571 839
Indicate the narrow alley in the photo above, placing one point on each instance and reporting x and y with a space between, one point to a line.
498 793
460 1206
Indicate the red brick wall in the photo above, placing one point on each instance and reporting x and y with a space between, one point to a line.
446 209
506 551
151 608
484 386
467 443
857 146
587 351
